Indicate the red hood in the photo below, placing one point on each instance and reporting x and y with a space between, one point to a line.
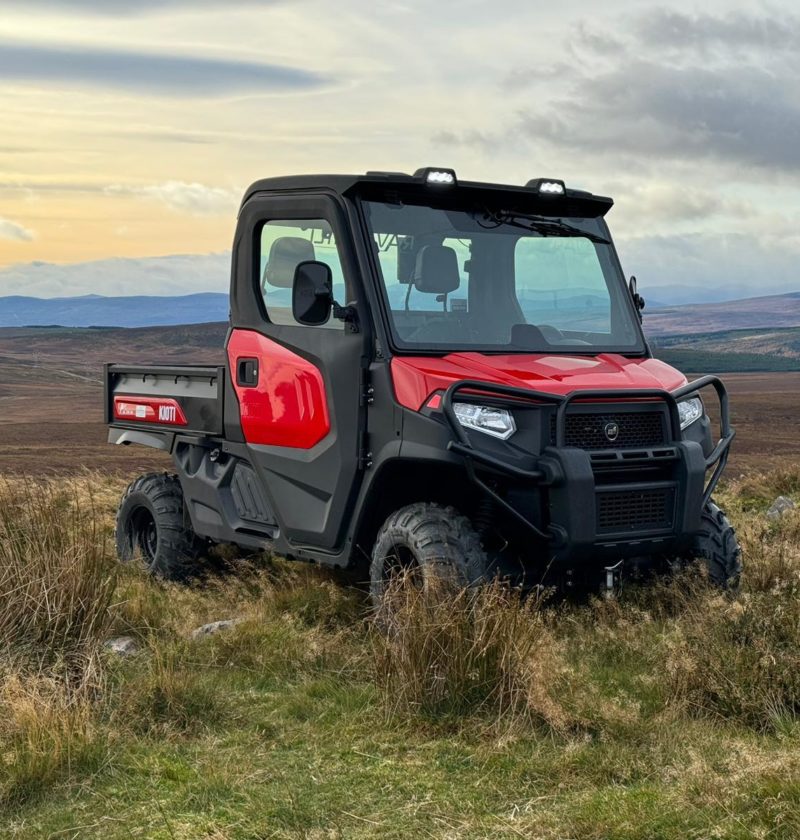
417 377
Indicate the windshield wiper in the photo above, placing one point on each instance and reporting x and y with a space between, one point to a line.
540 224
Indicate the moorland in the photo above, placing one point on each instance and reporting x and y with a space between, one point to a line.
668 711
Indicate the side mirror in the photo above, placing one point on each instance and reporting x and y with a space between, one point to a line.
638 300
312 293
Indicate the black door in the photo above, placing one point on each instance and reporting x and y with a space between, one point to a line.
299 387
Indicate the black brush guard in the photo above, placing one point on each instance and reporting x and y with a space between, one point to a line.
545 476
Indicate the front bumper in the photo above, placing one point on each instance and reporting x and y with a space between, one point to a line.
601 503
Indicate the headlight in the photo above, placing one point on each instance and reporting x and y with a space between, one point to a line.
689 411
496 422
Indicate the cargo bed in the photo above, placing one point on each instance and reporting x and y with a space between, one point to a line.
164 399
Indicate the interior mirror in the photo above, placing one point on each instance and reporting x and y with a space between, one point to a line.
312 293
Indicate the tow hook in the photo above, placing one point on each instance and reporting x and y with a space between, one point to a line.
613 579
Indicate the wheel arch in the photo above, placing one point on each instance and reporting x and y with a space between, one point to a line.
403 481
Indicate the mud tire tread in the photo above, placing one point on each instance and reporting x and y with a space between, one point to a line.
442 541
718 549
178 548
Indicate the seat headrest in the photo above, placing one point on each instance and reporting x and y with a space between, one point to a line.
436 270
285 254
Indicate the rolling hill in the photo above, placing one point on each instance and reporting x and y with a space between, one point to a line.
100 311
731 350
750 313
167 310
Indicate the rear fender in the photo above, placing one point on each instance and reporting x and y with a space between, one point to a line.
155 440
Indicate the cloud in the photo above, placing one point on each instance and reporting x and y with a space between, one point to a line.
660 96
129 8
148 72
716 93
743 115
597 41
164 135
169 275
739 262
673 202
661 28
195 199
13 231
471 137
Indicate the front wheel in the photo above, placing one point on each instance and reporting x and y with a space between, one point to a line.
150 525
435 545
716 547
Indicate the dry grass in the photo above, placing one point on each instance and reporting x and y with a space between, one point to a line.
484 651
57 583
57 579
47 731
740 660
671 706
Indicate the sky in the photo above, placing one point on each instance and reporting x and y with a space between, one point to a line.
130 129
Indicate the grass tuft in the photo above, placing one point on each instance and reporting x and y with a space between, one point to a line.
486 651
47 732
57 581
740 660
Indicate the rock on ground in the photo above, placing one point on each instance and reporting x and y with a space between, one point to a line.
780 506
214 627
124 646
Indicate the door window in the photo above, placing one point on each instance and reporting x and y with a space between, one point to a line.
283 245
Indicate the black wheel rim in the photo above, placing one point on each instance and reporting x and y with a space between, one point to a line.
143 534
400 562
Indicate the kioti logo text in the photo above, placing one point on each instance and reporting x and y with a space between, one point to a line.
167 413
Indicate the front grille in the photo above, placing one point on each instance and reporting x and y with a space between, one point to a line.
621 511
593 430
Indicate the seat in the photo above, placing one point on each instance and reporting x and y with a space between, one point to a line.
285 254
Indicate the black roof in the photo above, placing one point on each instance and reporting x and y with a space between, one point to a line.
574 202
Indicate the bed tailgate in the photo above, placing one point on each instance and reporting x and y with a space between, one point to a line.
165 398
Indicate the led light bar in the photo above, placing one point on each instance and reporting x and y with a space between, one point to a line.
547 186
437 176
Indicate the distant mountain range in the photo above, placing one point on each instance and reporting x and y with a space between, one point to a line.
774 311
99 311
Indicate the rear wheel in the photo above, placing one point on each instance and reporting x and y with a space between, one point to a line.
150 525
433 545
717 548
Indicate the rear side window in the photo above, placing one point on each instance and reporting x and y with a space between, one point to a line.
283 245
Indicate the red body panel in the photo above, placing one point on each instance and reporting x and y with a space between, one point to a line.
288 406
161 410
417 377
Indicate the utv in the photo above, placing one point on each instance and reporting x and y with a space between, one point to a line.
427 373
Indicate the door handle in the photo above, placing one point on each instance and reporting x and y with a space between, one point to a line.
247 372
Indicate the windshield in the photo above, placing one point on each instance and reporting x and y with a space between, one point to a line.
489 280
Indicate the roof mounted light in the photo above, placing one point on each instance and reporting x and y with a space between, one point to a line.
547 186
437 176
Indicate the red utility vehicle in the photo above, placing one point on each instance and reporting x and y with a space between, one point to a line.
428 373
